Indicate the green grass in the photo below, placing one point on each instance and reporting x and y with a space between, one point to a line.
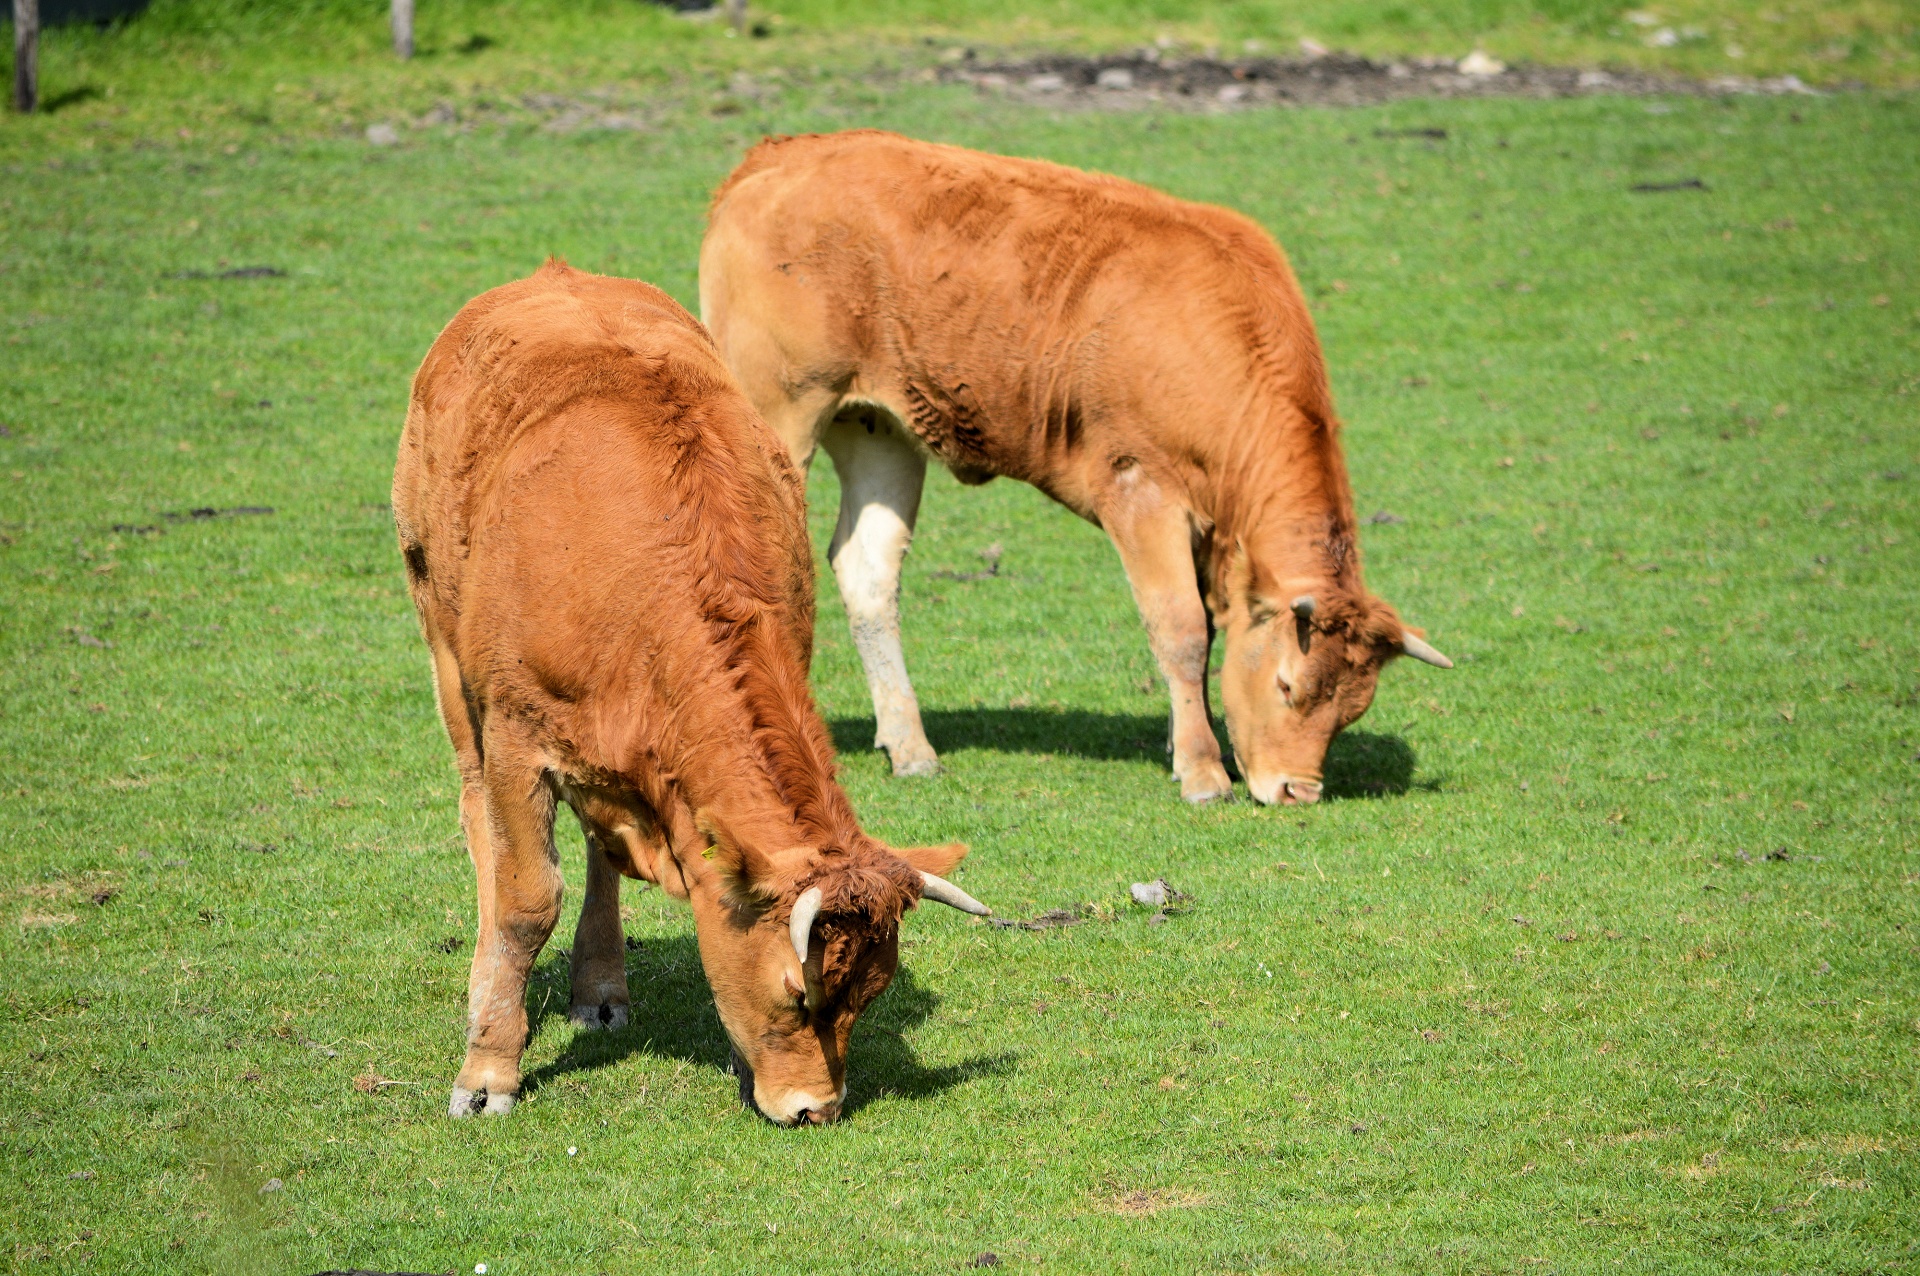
1527 994
223 70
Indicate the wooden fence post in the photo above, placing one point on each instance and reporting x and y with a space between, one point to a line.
737 15
26 54
402 28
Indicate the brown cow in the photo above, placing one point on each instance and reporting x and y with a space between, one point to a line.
608 553
1147 362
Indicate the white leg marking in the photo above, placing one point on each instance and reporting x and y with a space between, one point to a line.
881 475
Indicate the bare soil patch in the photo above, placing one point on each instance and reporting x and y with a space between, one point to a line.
1149 77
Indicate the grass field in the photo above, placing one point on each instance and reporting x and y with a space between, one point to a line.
1602 957
228 71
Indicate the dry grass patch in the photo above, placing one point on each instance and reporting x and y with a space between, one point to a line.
1146 1202
33 919
1848 1144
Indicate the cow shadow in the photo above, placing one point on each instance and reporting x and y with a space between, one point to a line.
1367 764
1360 764
673 1017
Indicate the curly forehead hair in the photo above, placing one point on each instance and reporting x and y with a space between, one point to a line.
866 883
1365 622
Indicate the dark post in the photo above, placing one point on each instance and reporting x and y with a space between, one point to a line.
26 54
402 28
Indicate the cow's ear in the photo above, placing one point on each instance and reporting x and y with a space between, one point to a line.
1251 585
749 874
1239 572
938 860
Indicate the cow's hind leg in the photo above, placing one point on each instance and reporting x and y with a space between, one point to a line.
519 904
1155 540
881 476
599 963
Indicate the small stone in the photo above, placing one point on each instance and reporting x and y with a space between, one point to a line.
1151 894
1115 77
1046 83
271 1185
986 1259
1480 65
382 134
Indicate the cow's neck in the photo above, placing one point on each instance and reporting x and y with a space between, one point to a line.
1281 496
774 786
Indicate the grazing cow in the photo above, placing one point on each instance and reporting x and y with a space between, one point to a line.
1147 362
607 550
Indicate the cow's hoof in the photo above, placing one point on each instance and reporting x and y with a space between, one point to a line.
910 764
468 1103
606 1016
1202 789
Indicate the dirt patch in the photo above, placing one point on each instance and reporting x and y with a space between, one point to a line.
1147 1203
1052 919
1149 77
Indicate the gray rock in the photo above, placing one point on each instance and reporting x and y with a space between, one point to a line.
1151 894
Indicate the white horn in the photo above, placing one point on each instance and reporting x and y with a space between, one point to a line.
1419 650
805 909
941 891
1303 606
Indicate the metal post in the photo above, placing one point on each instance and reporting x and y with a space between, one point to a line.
402 28
26 55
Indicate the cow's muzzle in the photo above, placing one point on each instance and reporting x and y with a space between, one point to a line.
1300 792
1282 790
794 1109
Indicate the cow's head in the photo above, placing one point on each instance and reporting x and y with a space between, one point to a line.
1301 664
796 946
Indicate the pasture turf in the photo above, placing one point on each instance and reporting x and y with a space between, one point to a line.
1600 957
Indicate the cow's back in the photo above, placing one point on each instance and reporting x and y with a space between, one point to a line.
581 488
1020 305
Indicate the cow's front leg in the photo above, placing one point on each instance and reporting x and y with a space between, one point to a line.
520 902
881 476
1155 540
599 961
